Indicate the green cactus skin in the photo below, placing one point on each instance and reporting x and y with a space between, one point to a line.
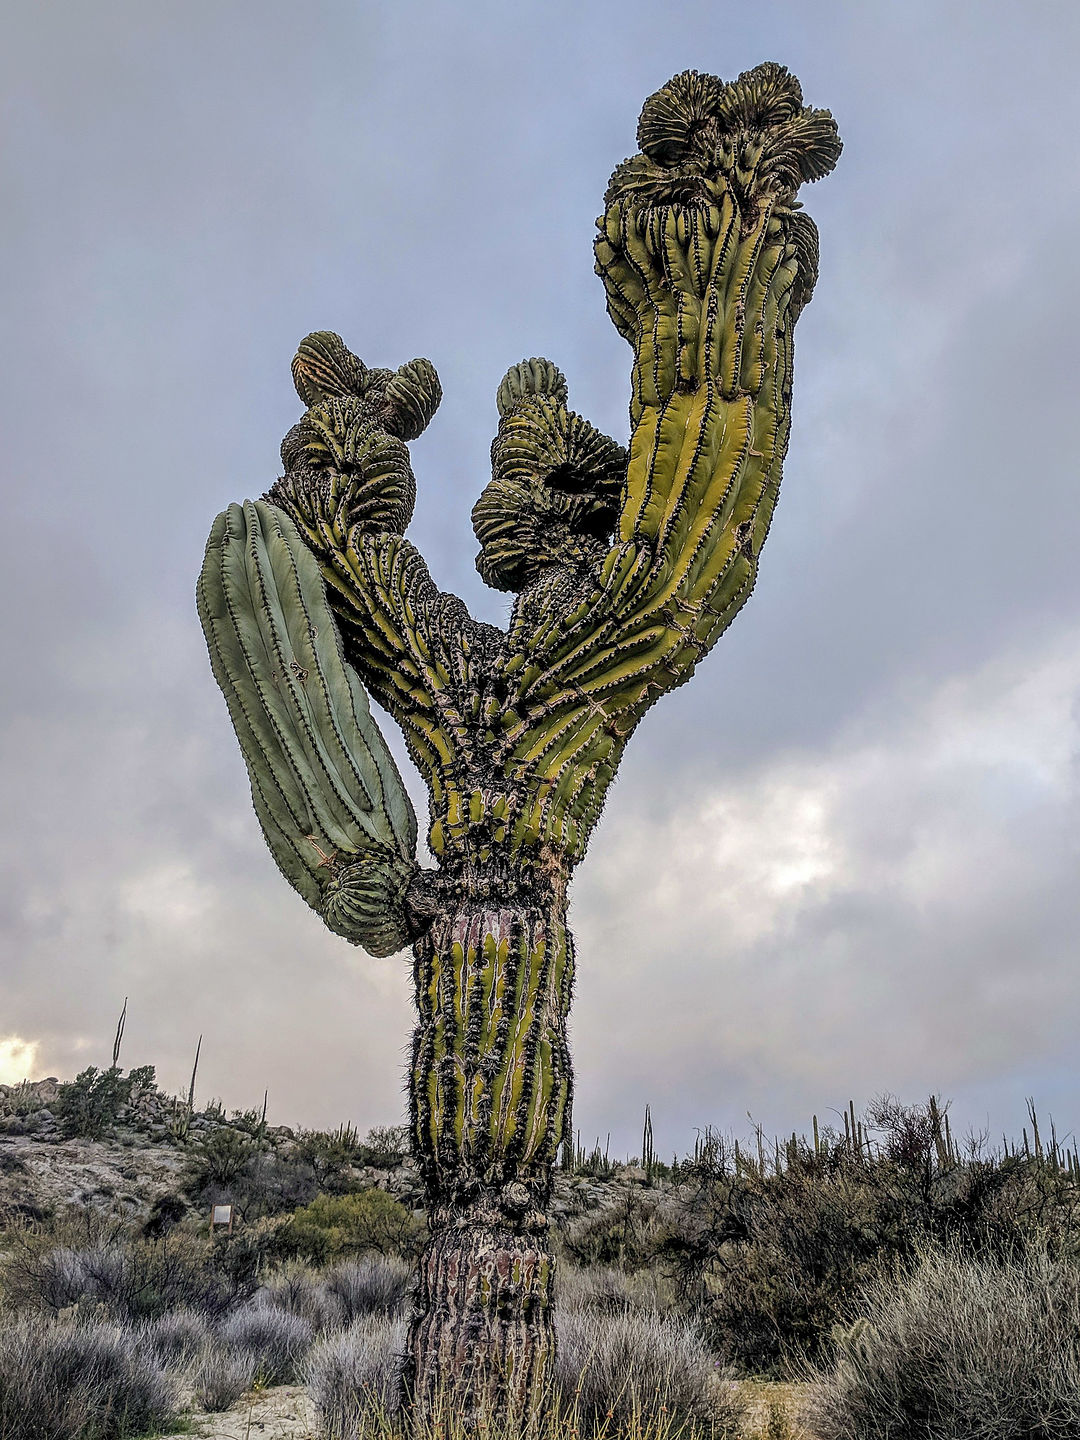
326 790
626 567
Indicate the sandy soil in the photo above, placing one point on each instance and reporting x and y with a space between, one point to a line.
282 1412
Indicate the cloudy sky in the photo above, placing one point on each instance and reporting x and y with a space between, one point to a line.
845 859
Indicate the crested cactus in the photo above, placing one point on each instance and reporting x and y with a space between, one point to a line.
626 565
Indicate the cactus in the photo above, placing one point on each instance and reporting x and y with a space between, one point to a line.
327 793
626 566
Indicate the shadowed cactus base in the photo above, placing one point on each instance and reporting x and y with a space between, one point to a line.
626 565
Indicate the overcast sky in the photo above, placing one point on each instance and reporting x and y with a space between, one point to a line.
846 858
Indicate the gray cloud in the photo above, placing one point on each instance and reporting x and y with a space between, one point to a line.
896 910
843 859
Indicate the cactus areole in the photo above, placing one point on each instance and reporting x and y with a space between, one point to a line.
627 564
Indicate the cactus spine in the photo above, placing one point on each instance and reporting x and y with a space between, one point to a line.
626 566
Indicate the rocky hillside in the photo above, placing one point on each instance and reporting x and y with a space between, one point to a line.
149 1149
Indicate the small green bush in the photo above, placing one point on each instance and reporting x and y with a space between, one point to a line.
335 1226
90 1105
385 1146
331 1153
259 1178
333 1156
218 1158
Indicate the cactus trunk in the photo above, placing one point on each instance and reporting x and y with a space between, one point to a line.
490 1091
482 1340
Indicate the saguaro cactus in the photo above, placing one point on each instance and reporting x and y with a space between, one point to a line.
627 566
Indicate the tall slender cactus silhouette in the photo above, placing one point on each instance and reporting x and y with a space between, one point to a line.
626 566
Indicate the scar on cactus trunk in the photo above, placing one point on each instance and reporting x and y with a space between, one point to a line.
626 566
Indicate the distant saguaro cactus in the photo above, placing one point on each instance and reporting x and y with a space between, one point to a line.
627 566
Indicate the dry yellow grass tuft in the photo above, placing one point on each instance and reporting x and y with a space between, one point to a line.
773 1410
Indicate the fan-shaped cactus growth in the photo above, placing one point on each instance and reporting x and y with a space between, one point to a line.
627 566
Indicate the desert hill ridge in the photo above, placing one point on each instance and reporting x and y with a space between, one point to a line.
148 1149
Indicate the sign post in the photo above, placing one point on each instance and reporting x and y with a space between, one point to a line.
221 1215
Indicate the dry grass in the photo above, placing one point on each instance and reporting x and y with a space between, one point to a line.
774 1410
288 1412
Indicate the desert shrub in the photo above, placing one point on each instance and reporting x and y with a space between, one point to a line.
639 1372
19 1100
786 1261
217 1159
385 1146
330 1152
259 1179
90 1260
299 1290
237 1162
631 1369
275 1182
91 1104
66 1277
78 1382
330 1156
221 1377
240 1258
252 1122
623 1235
355 1372
611 1290
334 1226
176 1338
165 1212
277 1341
772 1256
376 1285
960 1349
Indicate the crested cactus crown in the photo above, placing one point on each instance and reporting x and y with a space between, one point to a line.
553 498
751 139
755 132
356 428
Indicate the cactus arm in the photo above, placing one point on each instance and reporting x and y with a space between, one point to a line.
707 262
400 631
419 652
705 462
334 812
349 489
403 635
